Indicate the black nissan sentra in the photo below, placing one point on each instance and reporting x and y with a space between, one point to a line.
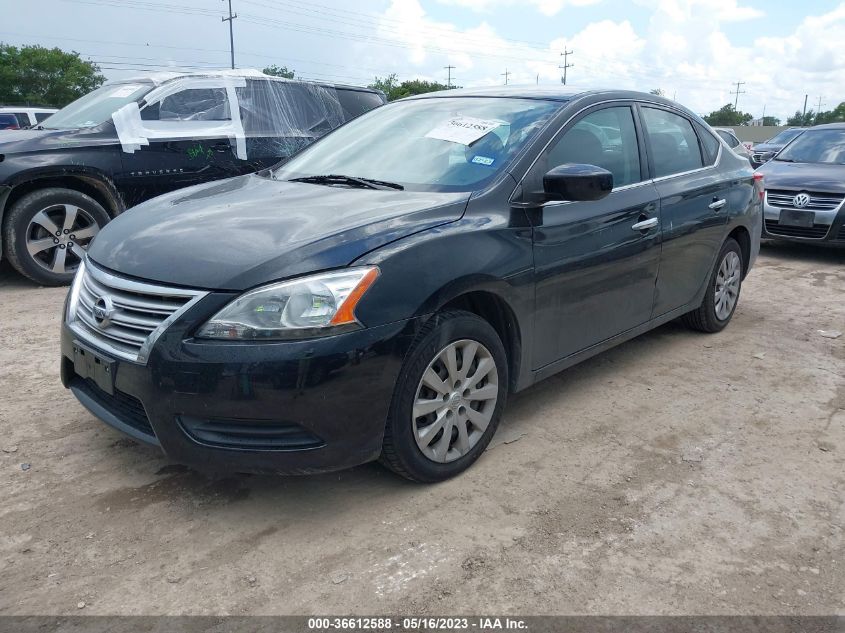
380 294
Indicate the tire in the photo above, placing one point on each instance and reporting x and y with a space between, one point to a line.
29 233
466 334
712 315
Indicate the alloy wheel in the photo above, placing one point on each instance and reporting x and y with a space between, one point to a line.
455 400
727 285
58 235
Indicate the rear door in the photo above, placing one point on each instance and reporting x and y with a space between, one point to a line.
595 268
694 202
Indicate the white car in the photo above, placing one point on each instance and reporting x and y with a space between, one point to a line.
737 146
25 116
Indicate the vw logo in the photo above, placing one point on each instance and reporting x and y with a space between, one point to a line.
102 311
801 200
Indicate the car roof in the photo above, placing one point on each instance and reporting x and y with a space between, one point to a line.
548 93
828 126
26 109
162 77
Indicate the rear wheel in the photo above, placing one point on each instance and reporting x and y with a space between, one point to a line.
722 294
47 231
449 399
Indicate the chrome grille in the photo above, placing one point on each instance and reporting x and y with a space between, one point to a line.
818 201
135 312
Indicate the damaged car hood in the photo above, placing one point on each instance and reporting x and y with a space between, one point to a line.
239 233
34 140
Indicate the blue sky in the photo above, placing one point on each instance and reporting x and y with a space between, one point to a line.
692 49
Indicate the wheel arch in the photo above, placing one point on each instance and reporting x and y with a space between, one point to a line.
743 238
496 310
92 183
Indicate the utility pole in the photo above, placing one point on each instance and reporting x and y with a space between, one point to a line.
819 109
804 114
449 80
506 74
738 92
565 54
231 19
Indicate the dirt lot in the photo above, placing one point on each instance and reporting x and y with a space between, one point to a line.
678 473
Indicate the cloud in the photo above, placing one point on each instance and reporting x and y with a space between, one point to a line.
683 48
546 7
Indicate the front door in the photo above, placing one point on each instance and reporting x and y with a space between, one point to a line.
191 137
595 262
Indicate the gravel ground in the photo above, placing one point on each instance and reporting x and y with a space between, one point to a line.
677 474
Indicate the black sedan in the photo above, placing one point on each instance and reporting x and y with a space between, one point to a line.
380 294
805 188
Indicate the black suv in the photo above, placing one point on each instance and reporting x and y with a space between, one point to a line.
132 140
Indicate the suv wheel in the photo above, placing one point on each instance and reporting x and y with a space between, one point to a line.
448 400
47 231
722 294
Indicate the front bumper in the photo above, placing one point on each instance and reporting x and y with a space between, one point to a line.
290 407
828 227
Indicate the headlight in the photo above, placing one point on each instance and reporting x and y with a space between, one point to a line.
318 305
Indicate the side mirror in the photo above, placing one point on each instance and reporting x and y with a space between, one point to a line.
577 183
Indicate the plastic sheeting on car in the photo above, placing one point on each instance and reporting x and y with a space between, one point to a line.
259 114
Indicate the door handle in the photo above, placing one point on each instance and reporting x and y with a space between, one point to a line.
222 146
645 225
717 204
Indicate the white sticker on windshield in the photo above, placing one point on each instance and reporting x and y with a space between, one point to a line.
463 129
121 92
483 160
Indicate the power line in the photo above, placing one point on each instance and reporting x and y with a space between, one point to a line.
737 92
565 54
231 19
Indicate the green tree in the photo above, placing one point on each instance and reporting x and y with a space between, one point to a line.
391 87
44 76
771 120
727 115
279 71
837 115
800 119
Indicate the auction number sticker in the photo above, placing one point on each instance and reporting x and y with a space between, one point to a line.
463 129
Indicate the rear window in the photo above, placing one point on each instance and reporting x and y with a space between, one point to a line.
729 138
40 116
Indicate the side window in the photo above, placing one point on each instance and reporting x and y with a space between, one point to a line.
23 119
606 138
709 144
356 102
193 104
672 141
729 138
40 116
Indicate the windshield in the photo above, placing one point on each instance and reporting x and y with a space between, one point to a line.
96 107
435 144
784 137
816 146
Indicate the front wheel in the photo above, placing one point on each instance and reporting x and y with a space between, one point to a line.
448 400
47 232
722 293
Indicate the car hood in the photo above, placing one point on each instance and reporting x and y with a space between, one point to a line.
803 176
242 232
767 147
23 141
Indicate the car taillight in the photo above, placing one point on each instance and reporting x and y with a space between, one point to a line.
758 184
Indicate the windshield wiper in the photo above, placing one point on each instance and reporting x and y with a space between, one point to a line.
352 181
